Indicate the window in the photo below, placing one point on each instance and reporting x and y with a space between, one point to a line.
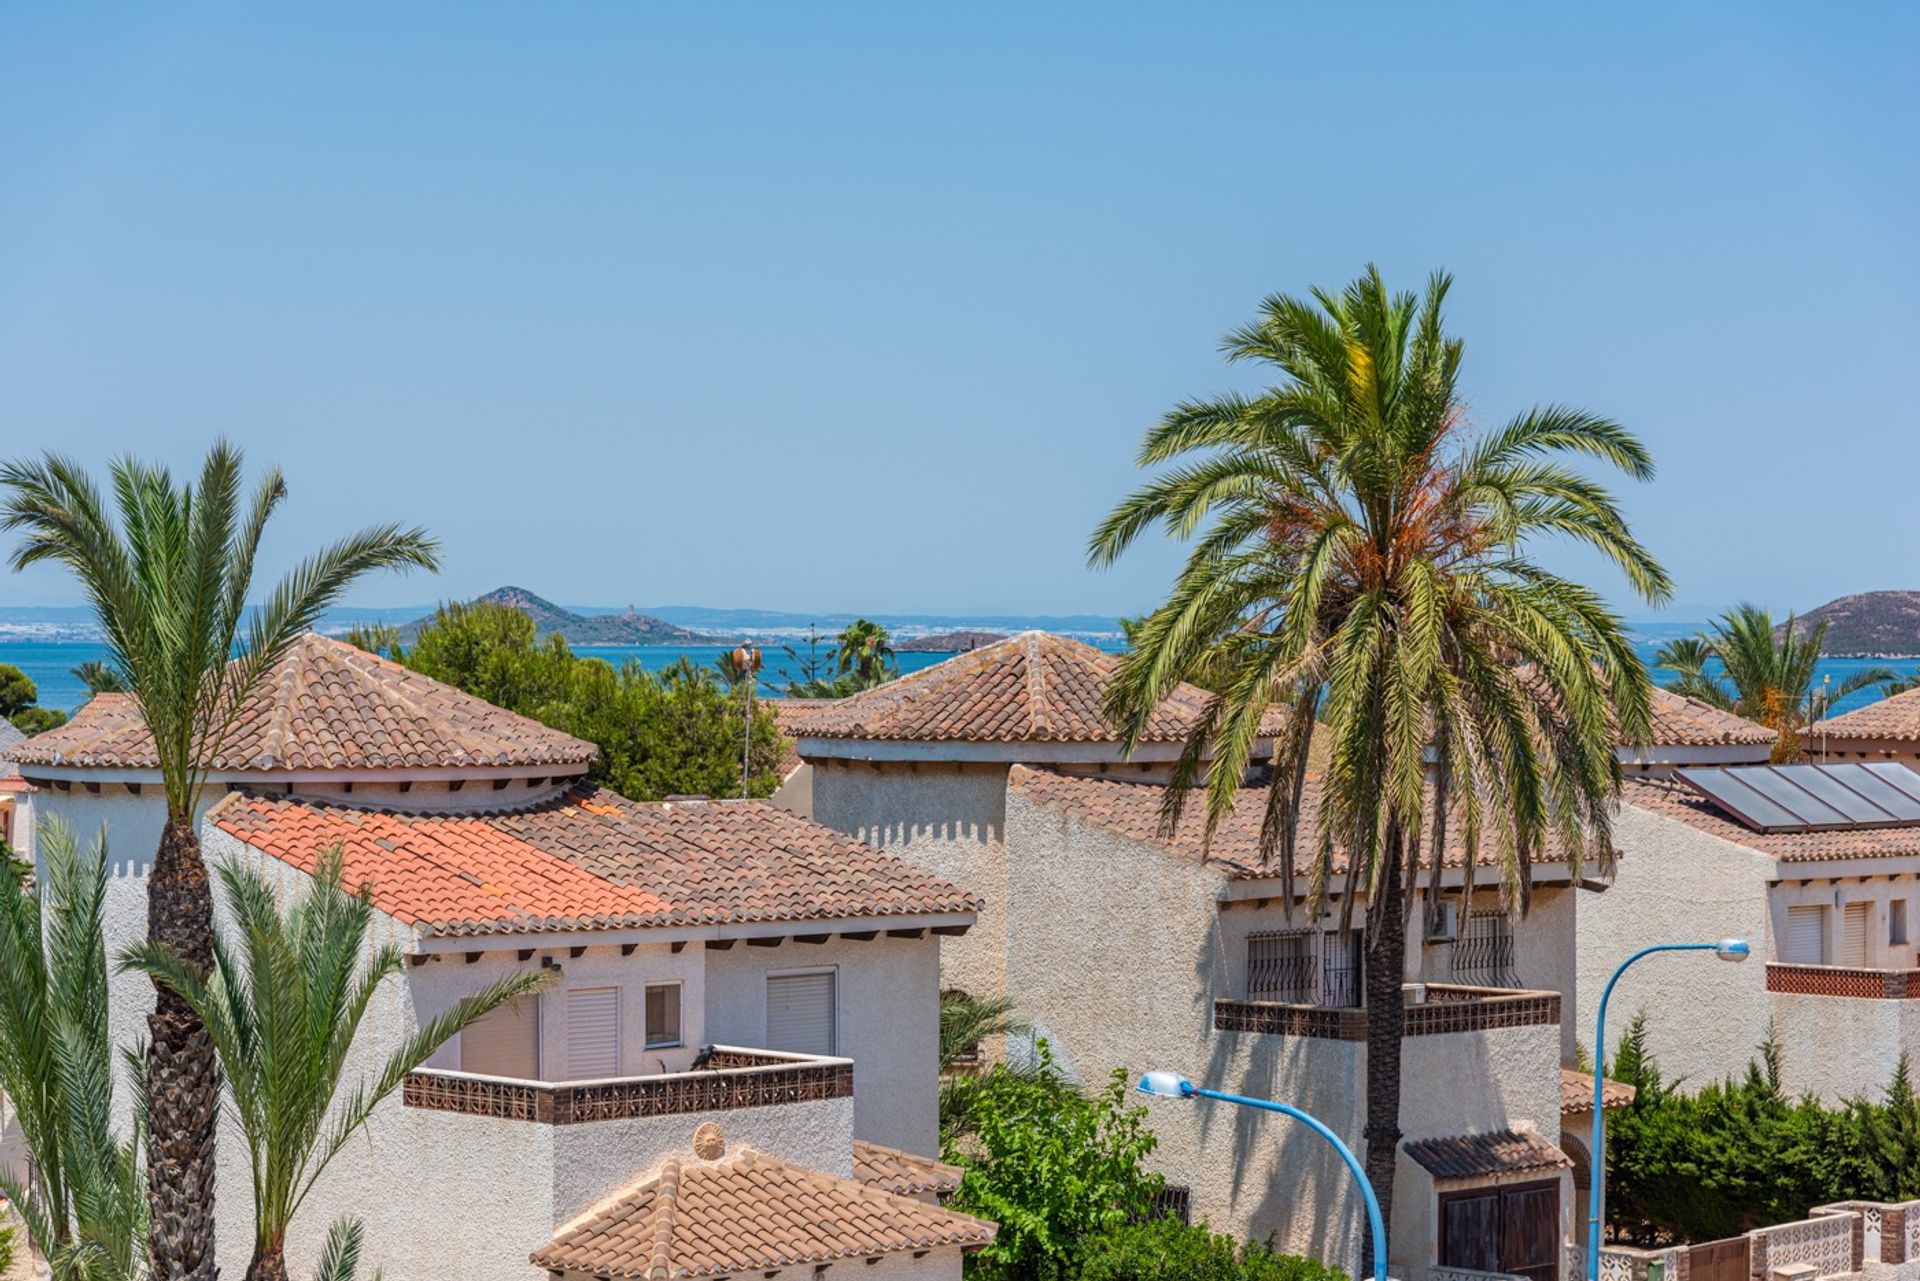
1280 966
663 1015
593 1033
1897 922
1806 942
1856 934
800 1016
1484 952
506 1042
1342 969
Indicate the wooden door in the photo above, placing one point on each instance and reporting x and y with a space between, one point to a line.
1718 1261
1512 1229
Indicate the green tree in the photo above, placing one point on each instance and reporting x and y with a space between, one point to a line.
284 1003
1360 553
1764 673
1054 1168
965 1022
83 1204
169 570
1165 1249
863 656
38 720
811 667
17 690
376 638
99 677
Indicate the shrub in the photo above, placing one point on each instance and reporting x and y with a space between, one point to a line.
1169 1250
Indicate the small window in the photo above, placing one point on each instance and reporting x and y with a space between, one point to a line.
1280 966
1806 941
593 1033
663 1015
1897 922
1484 953
800 1013
505 1042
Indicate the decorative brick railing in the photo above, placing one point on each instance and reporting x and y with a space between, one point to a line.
1447 1007
1842 980
733 1078
1468 1274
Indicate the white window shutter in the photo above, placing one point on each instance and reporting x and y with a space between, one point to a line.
800 1013
506 1042
1806 936
1855 937
593 1033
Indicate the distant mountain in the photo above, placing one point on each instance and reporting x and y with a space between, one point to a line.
948 642
579 629
1869 624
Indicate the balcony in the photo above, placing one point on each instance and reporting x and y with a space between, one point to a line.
731 1077
1843 980
1432 1008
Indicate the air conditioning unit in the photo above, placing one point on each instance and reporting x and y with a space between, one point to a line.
1446 922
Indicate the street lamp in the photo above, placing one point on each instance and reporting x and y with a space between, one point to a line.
1171 1085
1726 950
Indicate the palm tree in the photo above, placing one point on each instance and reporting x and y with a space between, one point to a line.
83 1203
1765 674
99 677
169 571
863 656
1361 555
283 1005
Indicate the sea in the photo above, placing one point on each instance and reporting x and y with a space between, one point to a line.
50 664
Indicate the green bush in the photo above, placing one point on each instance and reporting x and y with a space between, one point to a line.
1168 1250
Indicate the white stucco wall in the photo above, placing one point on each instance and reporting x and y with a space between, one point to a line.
888 1022
942 817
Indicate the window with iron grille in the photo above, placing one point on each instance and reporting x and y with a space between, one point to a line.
1343 969
1280 966
1174 1201
1483 954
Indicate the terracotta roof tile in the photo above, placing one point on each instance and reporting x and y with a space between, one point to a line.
748 1212
1673 799
1474 1156
1896 719
1132 810
788 714
326 705
1032 688
902 1172
591 859
1679 721
1576 1092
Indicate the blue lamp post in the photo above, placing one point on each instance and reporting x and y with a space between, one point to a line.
1171 1085
1726 950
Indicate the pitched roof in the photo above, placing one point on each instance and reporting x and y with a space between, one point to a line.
788 714
1032 688
592 859
10 738
902 1172
1473 1156
1896 718
1679 721
1576 1092
748 1212
1672 799
326 705
1132 810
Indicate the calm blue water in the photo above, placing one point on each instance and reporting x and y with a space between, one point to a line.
48 664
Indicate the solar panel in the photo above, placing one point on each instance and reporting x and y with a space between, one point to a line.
1812 798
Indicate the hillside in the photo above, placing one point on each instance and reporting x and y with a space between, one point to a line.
960 642
1871 623
580 629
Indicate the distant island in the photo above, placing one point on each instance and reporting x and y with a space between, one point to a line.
1869 625
948 642
579 629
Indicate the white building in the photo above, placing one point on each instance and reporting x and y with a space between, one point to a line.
718 974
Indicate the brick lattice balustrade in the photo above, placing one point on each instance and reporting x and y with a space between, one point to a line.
734 1078
1448 1008
1840 980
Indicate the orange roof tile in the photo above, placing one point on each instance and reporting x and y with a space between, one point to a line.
591 859
745 1213
1576 1092
1896 719
902 1172
788 713
1673 799
1132 810
1679 721
1034 687
326 705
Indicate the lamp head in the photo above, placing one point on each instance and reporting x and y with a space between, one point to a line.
1166 1085
1731 949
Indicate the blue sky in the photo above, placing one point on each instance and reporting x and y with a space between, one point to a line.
822 307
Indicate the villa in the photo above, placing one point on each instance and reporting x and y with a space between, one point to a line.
679 1099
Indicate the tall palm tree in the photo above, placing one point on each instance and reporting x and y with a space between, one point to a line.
283 1004
83 1204
99 677
1361 557
169 569
1765 673
863 655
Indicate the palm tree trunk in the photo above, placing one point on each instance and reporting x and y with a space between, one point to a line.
1386 1017
269 1262
183 1084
